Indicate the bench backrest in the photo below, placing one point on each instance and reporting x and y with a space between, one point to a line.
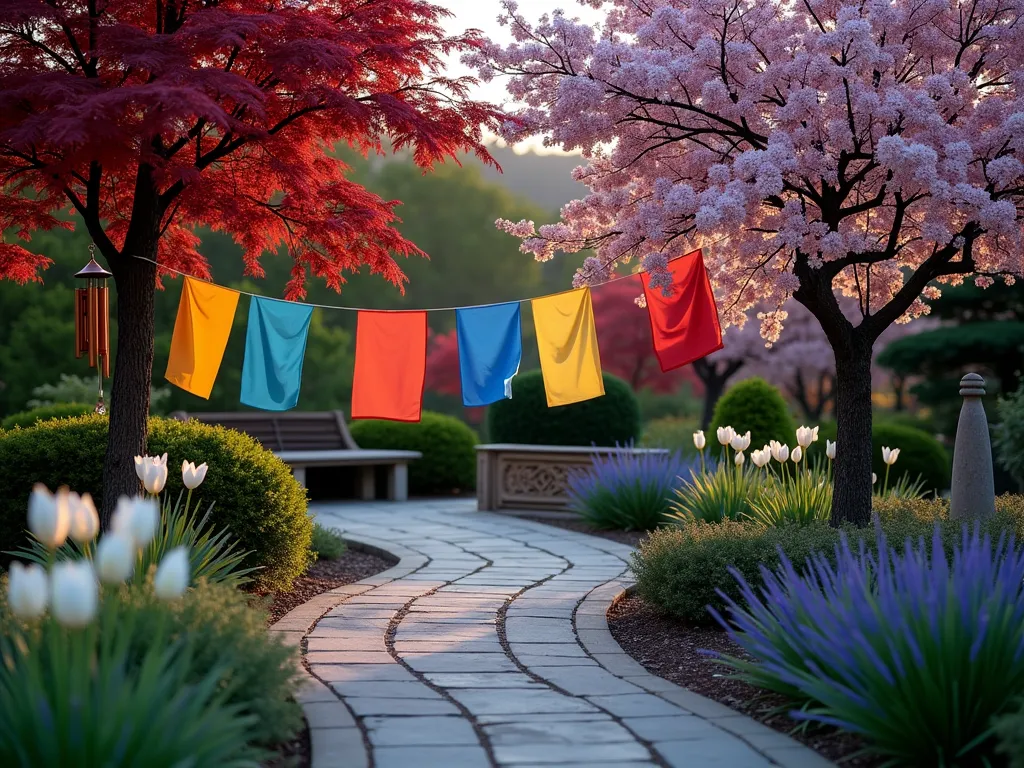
293 431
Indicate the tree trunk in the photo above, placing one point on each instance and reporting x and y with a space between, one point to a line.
135 281
851 501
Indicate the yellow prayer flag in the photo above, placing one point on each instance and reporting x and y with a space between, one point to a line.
567 340
201 331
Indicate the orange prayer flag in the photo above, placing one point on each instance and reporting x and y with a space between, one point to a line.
391 365
201 331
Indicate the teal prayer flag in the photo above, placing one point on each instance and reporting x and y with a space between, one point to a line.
275 344
490 350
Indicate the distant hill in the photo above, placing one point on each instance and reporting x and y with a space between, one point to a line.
544 179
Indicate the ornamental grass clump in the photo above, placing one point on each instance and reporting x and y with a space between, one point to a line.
627 491
915 652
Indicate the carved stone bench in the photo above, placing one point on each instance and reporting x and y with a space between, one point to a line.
533 477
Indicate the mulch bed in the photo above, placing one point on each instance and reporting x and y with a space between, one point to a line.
670 649
323 576
629 538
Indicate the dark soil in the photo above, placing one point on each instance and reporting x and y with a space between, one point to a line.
677 652
629 538
323 576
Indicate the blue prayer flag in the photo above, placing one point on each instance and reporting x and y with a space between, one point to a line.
490 349
275 343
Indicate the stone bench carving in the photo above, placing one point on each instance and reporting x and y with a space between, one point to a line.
533 477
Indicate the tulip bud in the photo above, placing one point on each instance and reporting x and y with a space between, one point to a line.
740 458
74 594
889 455
874 478
84 520
725 435
172 576
48 516
152 471
27 590
761 457
115 557
798 453
191 475
138 518
830 449
804 436
780 452
740 442
699 440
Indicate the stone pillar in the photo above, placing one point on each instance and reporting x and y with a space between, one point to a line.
972 493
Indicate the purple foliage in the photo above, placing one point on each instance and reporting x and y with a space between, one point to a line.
915 651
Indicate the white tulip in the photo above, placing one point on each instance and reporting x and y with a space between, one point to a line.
698 440
48 516
191 475
874 478
84 520
740 442
740 458
172 576
780 452
725 435
115 557
889 455
152 471
805 436
139 518
830 449
74 593
761 457
27 590
798 453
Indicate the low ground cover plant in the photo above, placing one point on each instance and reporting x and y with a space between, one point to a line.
917 650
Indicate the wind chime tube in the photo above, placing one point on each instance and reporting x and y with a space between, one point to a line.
94 341
81 323
103 328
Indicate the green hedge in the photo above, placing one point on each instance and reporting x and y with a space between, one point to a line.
527 419
920 453
447 444
253 491
45 413
755 405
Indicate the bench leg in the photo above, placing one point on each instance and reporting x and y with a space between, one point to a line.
299 473
367 484
398 482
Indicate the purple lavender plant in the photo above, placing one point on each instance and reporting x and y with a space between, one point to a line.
627 491
915 652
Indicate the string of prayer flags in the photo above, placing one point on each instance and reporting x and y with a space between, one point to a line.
685 325
391 365
275 344
490 351
567 341
205 315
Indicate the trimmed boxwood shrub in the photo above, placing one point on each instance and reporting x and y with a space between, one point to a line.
527 419
253 491
920 454
447 444
756 405
45 413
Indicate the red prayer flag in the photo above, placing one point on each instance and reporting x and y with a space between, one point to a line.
391 365
684 325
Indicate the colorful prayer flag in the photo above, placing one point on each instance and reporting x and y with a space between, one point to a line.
205 314
490 350
275 344
391 365
684 325
567 341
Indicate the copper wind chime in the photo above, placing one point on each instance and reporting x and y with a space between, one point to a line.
92 322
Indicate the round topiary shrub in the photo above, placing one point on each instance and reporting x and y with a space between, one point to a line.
527 419
45 413
756 405
447 444
921 455
253 492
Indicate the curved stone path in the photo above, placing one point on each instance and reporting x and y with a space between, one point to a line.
487 645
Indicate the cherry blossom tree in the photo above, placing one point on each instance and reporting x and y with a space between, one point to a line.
868 150
150 118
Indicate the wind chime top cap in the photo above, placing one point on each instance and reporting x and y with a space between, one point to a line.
94 270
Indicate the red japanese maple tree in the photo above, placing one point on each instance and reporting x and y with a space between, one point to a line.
149 118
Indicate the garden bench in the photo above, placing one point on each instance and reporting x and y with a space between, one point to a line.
534 477
317 439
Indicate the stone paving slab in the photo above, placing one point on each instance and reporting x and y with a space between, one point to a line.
415 663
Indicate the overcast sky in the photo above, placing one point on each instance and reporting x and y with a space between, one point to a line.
483 15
